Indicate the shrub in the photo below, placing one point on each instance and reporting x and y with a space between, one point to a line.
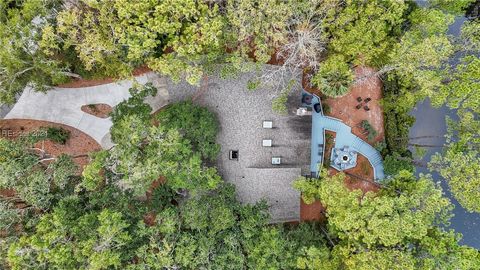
395 163
162 196
57 134
279 104
134 106
371 132
253 85
326 108
93 173
334 77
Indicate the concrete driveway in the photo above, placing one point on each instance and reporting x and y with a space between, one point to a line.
63 105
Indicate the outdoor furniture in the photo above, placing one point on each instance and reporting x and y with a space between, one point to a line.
267 143
343 159
366 108
367 100
359 99
267 124
303 111
233 155
358 106
276 160
307 99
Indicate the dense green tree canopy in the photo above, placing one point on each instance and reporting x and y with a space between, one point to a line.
365 31
258 27
152 201
35 178
197 124
395 163
423 50
144 152
459 162
456 7
22 62
172 37
395 228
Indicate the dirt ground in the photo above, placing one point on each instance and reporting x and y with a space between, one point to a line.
312 212
98 110
329 143
344 108
77 83
307 86
361 177
78 145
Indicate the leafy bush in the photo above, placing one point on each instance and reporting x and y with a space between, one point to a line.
279 104
381 147
326 108
334 77
92 173
197 124
394 164
308 187
371 132
396 104
162 196
134 106
57 134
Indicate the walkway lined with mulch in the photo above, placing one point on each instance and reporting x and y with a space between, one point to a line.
344 137
63 105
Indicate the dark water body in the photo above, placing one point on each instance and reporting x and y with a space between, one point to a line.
431 122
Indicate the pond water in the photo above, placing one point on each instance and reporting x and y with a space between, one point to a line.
431 122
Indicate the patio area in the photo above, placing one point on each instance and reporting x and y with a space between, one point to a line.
362 102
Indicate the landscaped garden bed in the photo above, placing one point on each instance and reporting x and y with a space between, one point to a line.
78 144
98 110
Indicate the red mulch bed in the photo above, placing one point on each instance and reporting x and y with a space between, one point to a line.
77 83
312 212
361 177
344 109
307 86
98 110
329 144
79 144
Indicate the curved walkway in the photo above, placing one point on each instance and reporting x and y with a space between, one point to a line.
63 105
344 137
